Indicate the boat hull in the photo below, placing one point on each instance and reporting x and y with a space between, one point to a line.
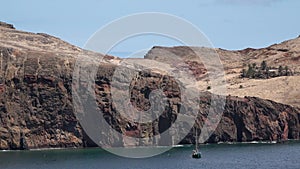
196 155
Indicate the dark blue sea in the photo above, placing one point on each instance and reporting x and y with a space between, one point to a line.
215 156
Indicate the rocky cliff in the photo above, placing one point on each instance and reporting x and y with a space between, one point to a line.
37 110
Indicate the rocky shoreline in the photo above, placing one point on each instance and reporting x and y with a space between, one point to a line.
37 110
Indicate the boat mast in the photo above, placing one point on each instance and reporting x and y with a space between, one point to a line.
196 140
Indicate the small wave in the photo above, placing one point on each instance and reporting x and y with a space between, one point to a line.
260 142
250 142
45 149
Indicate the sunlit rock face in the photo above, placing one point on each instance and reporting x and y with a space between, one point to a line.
37 108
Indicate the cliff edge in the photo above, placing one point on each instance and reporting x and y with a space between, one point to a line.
37 110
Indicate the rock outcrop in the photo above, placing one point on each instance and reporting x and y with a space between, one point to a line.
37 110
6 25
255 119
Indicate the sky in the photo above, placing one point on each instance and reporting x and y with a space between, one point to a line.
228 24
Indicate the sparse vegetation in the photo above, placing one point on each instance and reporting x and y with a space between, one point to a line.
265 71
263 65
208 87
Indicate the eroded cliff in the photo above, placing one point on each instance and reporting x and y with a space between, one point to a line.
37 109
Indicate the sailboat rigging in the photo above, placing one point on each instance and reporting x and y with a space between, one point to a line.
196 152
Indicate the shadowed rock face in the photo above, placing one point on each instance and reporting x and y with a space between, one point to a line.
254 119
6 25
36 101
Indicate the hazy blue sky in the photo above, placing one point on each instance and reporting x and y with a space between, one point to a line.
229 24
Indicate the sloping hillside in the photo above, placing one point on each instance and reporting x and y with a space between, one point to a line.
281 89
37 109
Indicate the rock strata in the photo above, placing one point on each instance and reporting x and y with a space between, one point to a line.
37 110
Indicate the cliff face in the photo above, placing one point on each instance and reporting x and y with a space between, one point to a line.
254 119
37 111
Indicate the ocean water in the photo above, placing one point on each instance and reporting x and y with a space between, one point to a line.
215 156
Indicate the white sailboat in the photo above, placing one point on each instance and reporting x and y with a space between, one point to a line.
196 152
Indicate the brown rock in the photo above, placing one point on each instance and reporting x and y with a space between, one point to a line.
36 100
6 25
